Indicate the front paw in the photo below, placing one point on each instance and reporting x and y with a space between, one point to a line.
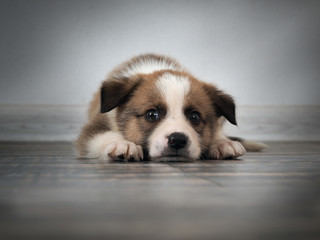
123 151
226 149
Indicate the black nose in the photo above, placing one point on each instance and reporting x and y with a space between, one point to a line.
177 140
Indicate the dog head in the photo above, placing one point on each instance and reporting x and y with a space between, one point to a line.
168 113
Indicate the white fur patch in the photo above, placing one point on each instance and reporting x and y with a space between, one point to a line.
226 149
98 144
148 65
110 145
174 90
222 147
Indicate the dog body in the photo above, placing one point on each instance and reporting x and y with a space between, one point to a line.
151 107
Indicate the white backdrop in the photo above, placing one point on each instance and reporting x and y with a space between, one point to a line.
262 52
54 54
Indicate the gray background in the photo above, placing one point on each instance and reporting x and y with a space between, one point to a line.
262 52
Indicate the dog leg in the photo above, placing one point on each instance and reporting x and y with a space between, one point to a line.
224 148
112 146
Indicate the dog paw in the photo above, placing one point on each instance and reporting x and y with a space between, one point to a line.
123 151
226 149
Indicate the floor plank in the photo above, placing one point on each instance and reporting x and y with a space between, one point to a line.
47 193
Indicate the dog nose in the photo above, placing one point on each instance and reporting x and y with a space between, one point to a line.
177 140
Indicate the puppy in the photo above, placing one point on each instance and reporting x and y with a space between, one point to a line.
150 107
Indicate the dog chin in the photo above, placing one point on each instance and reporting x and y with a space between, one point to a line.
172 158
169 155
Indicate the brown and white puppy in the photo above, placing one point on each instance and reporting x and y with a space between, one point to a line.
151 107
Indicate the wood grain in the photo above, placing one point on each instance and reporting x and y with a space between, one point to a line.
47 193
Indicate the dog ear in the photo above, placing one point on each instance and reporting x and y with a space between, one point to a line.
225 106
223 103
116 91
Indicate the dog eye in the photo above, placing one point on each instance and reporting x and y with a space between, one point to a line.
194 117
152 115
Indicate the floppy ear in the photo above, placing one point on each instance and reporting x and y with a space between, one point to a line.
116 91
223 103
225 106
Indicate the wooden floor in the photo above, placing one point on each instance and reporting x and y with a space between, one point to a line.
47 193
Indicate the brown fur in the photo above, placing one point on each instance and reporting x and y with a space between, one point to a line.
97 124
